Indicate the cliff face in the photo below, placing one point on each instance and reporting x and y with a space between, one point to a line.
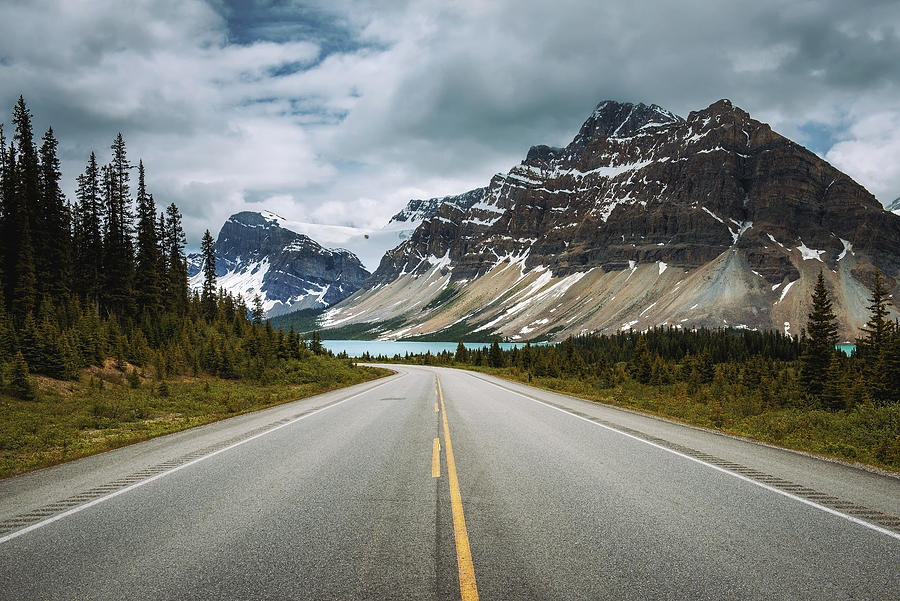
289 271
711 220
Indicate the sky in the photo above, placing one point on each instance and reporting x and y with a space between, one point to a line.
339 112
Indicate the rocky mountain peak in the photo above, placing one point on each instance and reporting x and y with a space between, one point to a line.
645 219
257 255
621 119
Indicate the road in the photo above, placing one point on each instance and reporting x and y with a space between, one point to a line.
443 484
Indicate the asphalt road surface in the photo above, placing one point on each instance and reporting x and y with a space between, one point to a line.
443 484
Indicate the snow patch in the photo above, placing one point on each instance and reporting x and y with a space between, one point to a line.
847 248
810 253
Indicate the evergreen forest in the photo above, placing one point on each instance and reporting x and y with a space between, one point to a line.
98 328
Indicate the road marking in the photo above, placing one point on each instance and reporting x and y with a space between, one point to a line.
709 465
436 410
467 587
80 508
436 458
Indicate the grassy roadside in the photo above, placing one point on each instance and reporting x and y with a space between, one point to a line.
104 409
866 434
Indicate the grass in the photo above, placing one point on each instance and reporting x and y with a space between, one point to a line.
102 410
866 433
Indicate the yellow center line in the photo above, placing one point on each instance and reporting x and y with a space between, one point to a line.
467 588
436 458
436 410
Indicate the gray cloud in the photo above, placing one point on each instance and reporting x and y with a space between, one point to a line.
339 112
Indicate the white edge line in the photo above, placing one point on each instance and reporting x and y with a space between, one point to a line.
710 465
121 491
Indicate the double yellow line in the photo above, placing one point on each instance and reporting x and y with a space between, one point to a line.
467 587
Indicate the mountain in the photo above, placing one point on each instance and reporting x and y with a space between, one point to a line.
644 219
894 207
255 254
416 211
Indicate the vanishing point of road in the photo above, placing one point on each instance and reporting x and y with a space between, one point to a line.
444 484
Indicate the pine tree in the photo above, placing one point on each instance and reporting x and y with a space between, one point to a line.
208 292
21 386
495 356
53 247
118 249
819 347
462 353
88 236
176 285
146 281
315 343
876 331
872 347
258 312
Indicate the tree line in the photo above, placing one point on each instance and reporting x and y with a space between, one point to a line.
105 276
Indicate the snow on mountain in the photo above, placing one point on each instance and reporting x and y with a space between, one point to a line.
258 253
894 207
644 219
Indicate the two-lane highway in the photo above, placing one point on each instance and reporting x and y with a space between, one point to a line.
442 484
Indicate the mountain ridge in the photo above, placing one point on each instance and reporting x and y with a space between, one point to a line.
717 199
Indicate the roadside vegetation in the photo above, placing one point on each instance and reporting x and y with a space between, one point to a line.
797 393
101 341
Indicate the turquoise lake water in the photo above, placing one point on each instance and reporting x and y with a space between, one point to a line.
847 348
389 348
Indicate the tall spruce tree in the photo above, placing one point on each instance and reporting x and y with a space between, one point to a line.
874 345
877 330
819 347
146 280
88 235
54 252
176 272
208 292
118 249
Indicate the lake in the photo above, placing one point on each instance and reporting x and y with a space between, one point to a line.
389 348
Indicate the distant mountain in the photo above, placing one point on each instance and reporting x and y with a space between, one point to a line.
255 254
894 207
644 219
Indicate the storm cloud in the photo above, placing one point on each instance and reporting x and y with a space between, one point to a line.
339 112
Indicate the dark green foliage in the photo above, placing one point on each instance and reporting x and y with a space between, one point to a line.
258 313
148 293
819 346
495 355
462 353
315 343
20 386
208 293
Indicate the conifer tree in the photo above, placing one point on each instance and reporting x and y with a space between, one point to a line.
876 331
146 281
258 312
495 356
462 353
315 342
819 347
873 347
208 292
118 249
176 273
88 236
53 247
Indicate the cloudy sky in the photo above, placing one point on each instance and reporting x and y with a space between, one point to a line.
338 112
